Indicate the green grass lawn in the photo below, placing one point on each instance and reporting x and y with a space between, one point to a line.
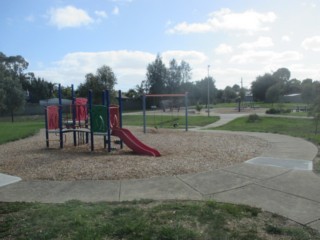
18 130
145 220
303 128
167 121
148 219
296 127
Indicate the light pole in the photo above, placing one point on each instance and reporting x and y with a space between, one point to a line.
208 101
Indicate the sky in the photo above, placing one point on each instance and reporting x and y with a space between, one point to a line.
231 41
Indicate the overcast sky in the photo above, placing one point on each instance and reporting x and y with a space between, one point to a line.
63 39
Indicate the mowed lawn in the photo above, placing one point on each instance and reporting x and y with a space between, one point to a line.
144 219
18 130
297 127
167 121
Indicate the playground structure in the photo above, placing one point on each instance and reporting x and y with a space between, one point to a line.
89 120
164 105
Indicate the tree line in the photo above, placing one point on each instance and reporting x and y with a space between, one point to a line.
17 86
270 87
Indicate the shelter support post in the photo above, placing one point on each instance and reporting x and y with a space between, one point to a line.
144 112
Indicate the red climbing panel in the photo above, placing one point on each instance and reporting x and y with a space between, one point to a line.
81 109
114 116
53 117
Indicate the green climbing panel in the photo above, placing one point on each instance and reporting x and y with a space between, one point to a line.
99 118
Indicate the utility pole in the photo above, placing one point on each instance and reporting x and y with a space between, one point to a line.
208 101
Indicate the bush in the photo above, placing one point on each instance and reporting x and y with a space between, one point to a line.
277 111
273 111
198 107
253 118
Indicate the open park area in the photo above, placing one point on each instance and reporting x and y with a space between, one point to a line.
183 194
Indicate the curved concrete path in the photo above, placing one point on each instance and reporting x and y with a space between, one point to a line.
274 182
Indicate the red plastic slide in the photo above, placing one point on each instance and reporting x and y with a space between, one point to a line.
134 143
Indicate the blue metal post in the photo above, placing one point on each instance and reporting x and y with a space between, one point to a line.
104 104
186 107
60 117
90 111
46 124
73 108
108 119
120 114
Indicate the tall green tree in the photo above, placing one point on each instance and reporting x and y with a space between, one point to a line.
13 97
293 86
39 89
309 90
273 93
282 75
11 70
229 94
156 76
174 77
15 65
142 88
106 76
104 79
185 70
202 90
260 86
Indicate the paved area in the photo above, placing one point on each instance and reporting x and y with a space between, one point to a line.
279 181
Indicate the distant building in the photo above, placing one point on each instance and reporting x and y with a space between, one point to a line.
292 98
248 97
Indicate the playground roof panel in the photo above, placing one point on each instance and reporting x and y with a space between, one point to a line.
166 95
54 101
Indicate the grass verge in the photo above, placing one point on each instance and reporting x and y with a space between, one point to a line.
167 121
295 127
18 130
145 220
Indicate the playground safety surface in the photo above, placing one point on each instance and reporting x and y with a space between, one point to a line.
284 189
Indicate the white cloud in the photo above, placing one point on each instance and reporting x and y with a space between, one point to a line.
232 75
309 4
30 18
69 16
262 42
312 43
101 14
286 38
223 49
248 21
266 57
129 66
115 11
194 58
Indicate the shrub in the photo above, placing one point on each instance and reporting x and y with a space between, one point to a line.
273 111
253 118
198 107
277 111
